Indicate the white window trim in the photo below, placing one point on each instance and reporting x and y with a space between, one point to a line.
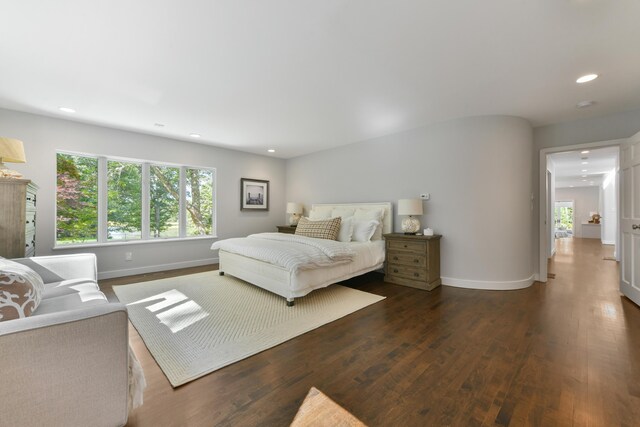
146 203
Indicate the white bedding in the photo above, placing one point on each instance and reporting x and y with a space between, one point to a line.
289 251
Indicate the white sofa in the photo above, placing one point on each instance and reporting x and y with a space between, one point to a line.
68 363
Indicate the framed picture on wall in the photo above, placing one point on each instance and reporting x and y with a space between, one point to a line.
254 194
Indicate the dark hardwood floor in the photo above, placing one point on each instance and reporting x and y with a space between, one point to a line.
562 353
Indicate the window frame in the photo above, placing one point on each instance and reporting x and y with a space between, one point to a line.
145 237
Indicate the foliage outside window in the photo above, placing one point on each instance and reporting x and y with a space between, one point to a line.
77 199
140 200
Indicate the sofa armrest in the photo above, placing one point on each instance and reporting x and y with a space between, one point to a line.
67 368
63 267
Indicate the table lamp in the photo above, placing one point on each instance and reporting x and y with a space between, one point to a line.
12 151
410 207
295 209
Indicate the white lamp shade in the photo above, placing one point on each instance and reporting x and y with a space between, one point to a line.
12 151
295 208
410 207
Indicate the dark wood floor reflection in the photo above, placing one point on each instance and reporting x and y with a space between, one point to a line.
562 353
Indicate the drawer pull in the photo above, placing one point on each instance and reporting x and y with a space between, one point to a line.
416 261
405 246
395 270
395 258
416 274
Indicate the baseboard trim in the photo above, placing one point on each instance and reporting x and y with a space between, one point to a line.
153 268
489 285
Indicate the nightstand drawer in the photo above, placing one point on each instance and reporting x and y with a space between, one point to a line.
404 258
407 246
417 273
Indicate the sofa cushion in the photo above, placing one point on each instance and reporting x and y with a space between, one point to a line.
68 287
21 290
73 301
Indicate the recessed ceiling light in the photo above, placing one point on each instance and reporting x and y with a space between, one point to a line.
584 170
587 78
571 186
585 104
67 109
160 125
584 176
585 163
584 152
584 180
195 135
271 150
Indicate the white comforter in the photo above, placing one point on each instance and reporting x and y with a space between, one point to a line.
289 251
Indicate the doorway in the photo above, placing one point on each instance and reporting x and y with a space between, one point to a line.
585 184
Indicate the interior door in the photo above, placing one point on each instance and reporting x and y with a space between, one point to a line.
630 219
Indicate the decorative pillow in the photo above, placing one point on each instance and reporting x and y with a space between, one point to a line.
377 214
364 229
21 290
320 213
346 230
325 229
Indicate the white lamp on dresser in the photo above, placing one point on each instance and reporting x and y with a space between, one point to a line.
410 207
295 209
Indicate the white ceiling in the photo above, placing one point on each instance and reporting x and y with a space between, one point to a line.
305 75
569 167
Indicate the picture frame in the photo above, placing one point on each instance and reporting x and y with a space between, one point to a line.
254 194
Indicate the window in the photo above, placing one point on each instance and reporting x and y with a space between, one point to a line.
164 216
77 199
102 200
124 200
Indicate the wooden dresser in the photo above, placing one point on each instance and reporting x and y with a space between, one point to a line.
289 229
17 218
412 260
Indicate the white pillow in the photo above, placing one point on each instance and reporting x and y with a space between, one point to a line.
364 229
377 214
343 212
346 230
319 213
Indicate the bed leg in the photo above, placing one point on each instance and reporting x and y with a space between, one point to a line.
290 302
221 273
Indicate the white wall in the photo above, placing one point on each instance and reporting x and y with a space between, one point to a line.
586 200
609 210
478 171
42 136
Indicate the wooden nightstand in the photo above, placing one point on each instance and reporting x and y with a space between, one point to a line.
413 260
289 229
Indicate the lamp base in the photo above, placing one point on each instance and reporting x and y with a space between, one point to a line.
293 219
410 225
5 172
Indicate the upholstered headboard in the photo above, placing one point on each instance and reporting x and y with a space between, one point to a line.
387 221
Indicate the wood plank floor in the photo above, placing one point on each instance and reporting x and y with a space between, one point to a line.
562 353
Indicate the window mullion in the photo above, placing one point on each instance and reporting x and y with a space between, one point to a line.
146 202
102 199
183 202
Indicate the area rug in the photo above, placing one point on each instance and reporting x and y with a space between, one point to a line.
196 324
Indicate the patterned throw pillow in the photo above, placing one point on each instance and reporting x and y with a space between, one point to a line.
325 229
21 290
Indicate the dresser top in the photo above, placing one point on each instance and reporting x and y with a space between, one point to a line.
412 236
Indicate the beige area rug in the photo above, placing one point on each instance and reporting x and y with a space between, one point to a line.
196 324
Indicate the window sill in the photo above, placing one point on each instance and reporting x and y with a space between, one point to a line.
131 242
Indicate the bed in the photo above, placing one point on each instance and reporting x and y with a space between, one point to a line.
292 283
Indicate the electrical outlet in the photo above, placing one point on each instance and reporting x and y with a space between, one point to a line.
425 196
128 256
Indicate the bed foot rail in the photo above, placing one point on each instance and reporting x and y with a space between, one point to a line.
290 302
